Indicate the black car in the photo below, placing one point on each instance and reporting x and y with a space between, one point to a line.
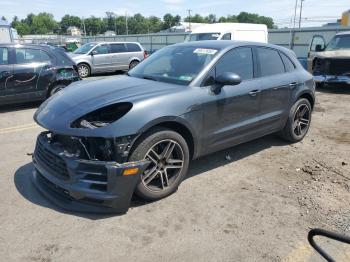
137 133
33 72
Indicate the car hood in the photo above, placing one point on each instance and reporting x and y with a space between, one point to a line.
80 98
334 54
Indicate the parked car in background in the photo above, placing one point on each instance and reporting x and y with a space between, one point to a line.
330 64
105 57
33 72
137 133
230 31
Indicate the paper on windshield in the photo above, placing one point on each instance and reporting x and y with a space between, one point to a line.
205 51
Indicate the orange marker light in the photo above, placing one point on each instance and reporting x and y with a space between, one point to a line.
131 171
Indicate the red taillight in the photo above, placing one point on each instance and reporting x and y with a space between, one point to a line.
145 54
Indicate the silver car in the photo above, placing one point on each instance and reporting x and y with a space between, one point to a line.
105 57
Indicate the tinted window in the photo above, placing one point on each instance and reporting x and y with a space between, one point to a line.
287 63
270 62
4 56
239 61
226 36
102 49
26 55
133 48
118 48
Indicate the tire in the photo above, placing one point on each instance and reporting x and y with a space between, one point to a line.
133 64
298 123
55 89
162 177
84 70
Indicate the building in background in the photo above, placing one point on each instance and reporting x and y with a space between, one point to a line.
73 31
345 20
5 32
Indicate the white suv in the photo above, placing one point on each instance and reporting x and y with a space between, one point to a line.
105 57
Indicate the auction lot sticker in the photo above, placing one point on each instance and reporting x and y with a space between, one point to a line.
205 51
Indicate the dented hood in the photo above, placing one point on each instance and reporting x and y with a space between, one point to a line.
334 54
80 98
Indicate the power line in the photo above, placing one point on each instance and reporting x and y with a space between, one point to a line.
189 19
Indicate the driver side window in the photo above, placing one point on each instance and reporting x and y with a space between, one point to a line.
238 61
102 49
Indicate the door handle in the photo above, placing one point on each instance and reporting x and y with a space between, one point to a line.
254 92
293 84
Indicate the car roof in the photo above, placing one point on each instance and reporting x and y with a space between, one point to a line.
227 44
114 42
344 33
39 46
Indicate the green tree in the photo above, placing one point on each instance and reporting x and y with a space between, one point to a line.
69 20
94 25
3 18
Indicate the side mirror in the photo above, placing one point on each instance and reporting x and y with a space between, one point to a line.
94 52
227 78
318 48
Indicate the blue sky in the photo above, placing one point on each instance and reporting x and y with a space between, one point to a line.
280 10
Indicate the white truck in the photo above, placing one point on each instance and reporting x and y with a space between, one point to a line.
230 31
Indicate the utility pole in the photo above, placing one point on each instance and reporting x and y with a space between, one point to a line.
126 23
301 10
295 12
189 19
84 26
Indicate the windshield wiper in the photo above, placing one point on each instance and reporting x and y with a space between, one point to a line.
150 78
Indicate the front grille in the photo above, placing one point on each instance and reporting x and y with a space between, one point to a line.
331 66
339 66
50 161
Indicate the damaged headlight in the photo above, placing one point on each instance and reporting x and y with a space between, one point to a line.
103 116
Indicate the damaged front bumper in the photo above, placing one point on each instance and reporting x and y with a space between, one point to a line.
332 79
83 185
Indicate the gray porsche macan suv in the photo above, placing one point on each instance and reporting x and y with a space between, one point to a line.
137 133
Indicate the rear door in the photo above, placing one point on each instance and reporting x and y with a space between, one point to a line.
120 56
102 58
29 63
6 69
276 88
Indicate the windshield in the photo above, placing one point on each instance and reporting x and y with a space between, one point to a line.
84 48
202 36
339 42
174 64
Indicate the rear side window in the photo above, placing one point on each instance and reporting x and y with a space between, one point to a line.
27 55
289 65
270 62
226 36
118 48
238 61
133 48
4 56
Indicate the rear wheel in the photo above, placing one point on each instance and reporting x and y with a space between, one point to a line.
298 122
83 70
169 156
56 89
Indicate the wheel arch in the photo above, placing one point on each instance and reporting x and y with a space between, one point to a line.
177 125
307 96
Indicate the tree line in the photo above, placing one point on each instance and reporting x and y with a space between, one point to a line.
44 23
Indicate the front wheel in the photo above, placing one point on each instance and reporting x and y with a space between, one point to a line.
133 64
299 120
83 70
169 156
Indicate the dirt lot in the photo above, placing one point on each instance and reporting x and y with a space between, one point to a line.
254 202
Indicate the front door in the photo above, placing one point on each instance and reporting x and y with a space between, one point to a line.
101 58
316 41
232 116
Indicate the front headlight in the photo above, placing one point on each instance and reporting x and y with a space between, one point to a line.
102 116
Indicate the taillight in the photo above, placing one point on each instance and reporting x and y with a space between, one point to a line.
145 54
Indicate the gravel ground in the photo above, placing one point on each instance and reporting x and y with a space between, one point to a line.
253 202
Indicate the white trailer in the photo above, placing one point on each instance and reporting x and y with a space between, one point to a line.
230 31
